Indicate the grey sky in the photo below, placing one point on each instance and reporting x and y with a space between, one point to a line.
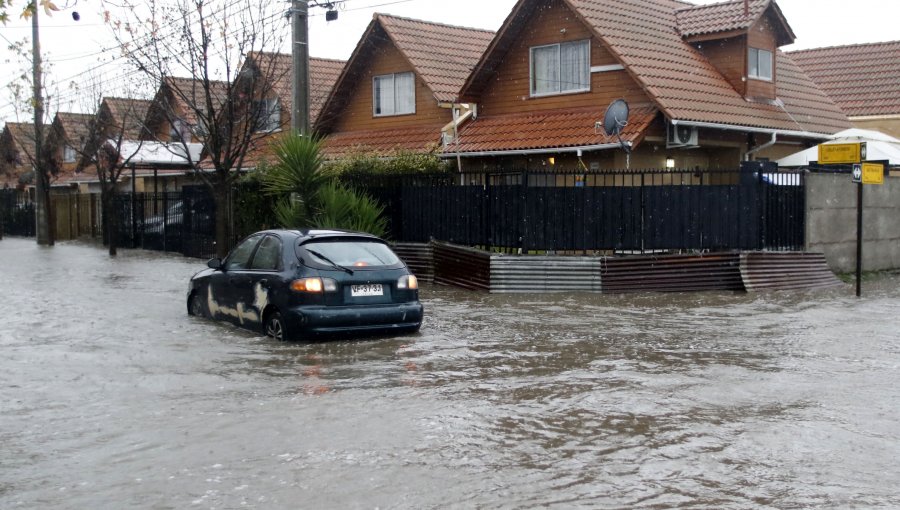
74 47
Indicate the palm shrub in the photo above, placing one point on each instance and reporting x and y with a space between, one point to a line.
307 196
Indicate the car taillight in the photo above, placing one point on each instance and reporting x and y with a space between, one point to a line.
314 285
409 282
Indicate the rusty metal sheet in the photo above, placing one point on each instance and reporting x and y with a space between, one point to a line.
672 273
419 257
462 267
763 271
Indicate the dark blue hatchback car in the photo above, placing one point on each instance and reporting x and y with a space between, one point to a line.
302 284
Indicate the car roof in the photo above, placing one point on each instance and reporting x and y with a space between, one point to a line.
307 235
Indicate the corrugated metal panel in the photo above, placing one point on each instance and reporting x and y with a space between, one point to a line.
419 257
462 267
513 274
786 271
672 273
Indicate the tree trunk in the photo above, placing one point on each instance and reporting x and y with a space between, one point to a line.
221 196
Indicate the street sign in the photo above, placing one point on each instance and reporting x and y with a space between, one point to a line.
842 153
872 173
857 174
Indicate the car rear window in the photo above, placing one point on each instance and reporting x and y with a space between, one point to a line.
353 253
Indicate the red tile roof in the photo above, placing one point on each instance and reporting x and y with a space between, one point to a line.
573 127
442 55
641 34
383 142
863 79
721 17
323 73
75 126
131 112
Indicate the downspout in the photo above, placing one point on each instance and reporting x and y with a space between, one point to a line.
761 147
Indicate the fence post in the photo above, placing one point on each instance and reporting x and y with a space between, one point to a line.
523 241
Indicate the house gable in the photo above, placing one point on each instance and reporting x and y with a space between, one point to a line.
508 89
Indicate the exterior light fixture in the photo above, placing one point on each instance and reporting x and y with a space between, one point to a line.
670 163
331 15
551 160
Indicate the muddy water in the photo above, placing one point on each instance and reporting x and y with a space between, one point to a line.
112 397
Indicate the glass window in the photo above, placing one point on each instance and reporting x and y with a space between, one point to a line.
394 94
560 68
267 115
353 253
759 64
68 154
240 255
268 255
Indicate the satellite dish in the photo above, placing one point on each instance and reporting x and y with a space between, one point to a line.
615 120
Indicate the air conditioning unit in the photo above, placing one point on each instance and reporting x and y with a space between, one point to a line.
681 136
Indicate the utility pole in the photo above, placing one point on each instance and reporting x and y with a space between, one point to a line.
42 209
300 53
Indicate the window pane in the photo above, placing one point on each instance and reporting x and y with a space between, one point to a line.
405 88
384 94
545 70
765 64
354 253
753 63
575 66
241 254
268 255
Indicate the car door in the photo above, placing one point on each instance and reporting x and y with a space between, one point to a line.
232 283
265 269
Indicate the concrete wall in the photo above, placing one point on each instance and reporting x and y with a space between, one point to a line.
831 222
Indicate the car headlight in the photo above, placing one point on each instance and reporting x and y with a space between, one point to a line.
408 282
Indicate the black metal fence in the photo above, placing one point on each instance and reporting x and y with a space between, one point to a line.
754 208
176 222
16 213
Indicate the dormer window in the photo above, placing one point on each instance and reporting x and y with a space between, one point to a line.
759 64
394 94
69 154
561 68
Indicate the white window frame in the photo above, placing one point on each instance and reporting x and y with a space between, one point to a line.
757 53
269 119
394 111
560 91
69 154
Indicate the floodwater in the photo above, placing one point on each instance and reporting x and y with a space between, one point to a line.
112 397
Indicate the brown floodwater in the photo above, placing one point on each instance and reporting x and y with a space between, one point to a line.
112 397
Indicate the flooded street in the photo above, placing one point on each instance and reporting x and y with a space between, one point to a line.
112 397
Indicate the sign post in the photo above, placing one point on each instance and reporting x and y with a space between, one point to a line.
863 174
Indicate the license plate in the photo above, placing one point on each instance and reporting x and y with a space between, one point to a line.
366 290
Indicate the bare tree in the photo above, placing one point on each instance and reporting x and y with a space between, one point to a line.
211 94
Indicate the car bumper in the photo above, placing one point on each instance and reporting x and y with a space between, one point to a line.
401 317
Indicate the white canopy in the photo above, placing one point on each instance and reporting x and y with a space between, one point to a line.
157 153
879 147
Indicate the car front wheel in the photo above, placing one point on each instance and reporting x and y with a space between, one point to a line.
274 326
195 306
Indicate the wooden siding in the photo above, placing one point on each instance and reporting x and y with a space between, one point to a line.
729 57
763 36
358 114
510 89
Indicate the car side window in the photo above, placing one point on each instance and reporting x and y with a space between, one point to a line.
240 256
268 255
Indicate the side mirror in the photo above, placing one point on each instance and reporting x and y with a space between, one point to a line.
214 264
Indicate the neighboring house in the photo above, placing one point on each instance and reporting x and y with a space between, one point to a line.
863 79
172 115
64 144
16 154
400 88
273 103
707 87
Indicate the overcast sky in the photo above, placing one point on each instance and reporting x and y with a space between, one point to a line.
74 47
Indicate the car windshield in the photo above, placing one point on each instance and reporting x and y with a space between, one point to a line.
352 254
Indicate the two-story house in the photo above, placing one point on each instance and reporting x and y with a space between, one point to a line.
16 154
63 146
706 85
400 88
863 79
